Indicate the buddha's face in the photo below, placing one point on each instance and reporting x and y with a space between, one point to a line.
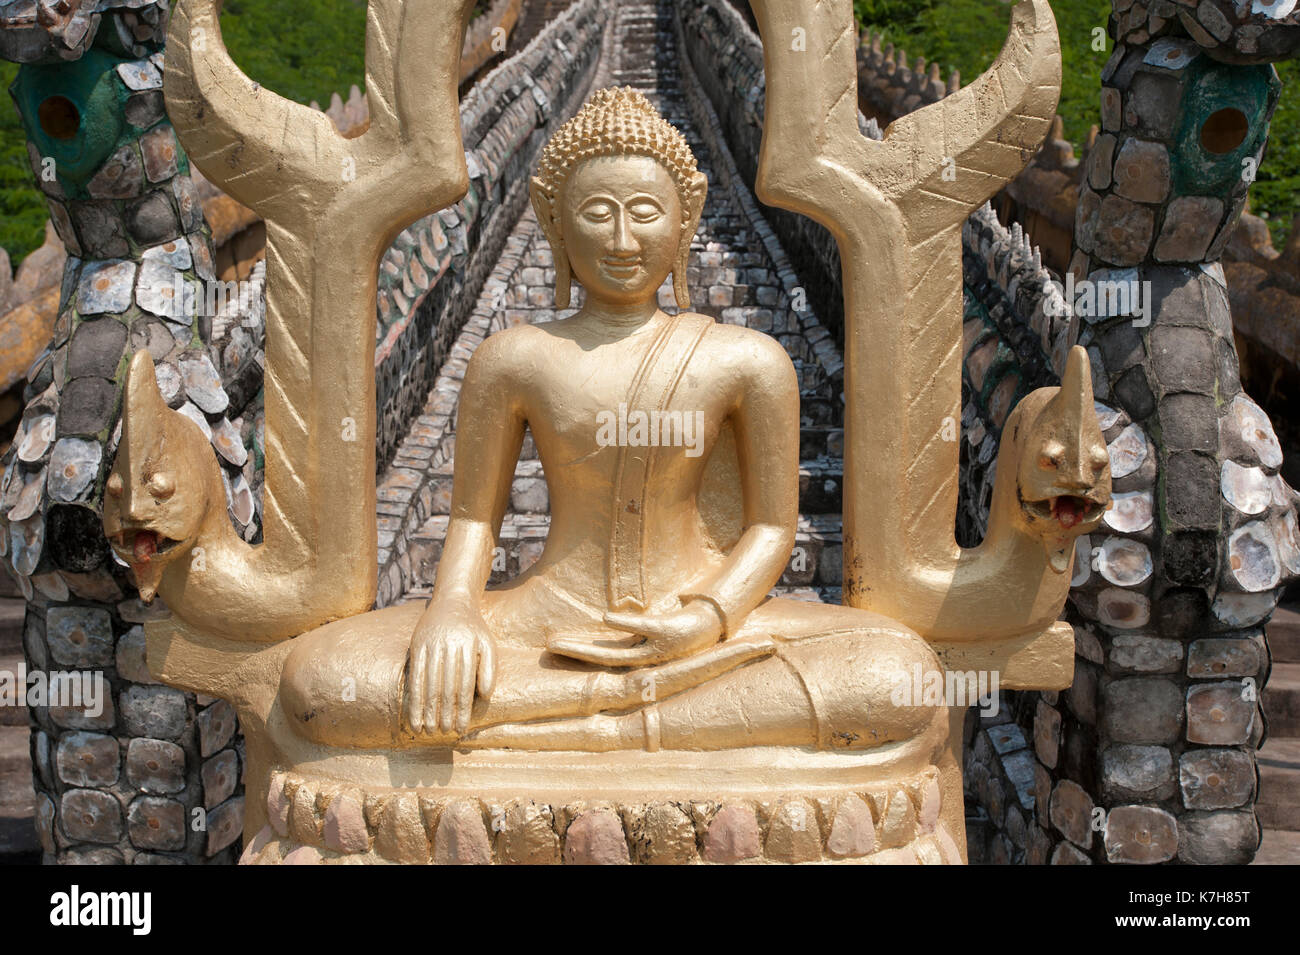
622 225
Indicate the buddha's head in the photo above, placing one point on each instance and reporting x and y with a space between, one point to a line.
619 198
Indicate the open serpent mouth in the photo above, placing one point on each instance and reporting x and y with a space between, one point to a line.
142 544
1068 510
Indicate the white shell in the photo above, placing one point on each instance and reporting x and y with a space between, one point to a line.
241 501
1131 511
11 485
202 383
226 439
1253 557
38 435
1288 541
1106 416
1244 610
1248 420
1082 561
1249 490
26 539
1276 9
74 465
1127 451
29 501
175 253
1124 562
164 291
140 75
1123 609
169 382
1281 492
105 287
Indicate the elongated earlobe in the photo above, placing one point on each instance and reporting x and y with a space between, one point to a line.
563 274
544 209
699 189
681 287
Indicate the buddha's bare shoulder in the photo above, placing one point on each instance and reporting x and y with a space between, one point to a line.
746 349
508 345
507 358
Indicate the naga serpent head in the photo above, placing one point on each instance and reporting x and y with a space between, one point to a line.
1063 469
161 485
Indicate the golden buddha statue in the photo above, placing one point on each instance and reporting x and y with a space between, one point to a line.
646 626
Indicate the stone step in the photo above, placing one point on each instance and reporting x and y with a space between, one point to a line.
1284 634
1278 847
1279 784
18 841
1282 700
11 666
11 625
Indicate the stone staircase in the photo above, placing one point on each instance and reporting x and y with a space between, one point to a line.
18 843
1278 808
536 14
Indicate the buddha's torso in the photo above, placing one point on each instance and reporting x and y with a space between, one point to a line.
619 505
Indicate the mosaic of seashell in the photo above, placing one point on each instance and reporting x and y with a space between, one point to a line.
1130 512
1247 421
1127 451
202 384
1123 609
1082 561
1247 489
1107 417
1253 557
1123 562
74 465
1244 610
1287 535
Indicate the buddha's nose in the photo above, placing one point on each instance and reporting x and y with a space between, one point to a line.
624 243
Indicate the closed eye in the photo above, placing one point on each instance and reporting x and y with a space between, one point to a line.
645 211
597 210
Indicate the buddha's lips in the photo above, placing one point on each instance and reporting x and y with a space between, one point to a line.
144 546
618 264
1069 510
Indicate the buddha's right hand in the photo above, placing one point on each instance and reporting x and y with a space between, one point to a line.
451 658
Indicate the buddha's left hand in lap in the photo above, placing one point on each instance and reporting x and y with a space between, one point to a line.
667 636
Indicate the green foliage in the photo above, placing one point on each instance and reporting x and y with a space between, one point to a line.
303 49
22 207
966 35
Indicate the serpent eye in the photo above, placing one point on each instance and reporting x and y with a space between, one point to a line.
1051 456
161 485
114 485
